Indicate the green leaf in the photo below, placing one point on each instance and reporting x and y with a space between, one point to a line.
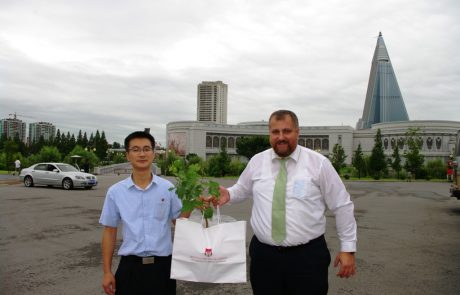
213 189
208 212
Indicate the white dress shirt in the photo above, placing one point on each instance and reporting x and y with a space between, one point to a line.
312 185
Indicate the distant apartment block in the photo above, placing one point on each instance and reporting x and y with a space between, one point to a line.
11 127
212 102
45 129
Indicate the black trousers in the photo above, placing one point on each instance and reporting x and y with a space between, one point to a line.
134 277
300 269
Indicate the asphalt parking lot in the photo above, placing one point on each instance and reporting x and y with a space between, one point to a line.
408 240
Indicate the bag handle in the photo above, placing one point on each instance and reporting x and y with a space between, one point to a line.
217 216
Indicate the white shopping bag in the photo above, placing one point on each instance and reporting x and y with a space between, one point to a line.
213 255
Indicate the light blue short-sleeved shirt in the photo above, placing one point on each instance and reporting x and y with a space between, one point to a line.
145 216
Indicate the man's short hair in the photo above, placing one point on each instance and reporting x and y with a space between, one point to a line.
280 114
139 134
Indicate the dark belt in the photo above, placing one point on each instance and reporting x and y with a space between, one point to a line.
145 260
291 248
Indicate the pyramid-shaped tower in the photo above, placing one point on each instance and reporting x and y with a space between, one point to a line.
384 102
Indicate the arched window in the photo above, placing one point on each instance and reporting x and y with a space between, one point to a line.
385 143
309 143
231 142
429 143
301 142
393 142
317 144
325 144
208 141
438 142
223 141
215 142
401 143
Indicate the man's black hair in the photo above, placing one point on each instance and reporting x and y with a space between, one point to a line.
139 134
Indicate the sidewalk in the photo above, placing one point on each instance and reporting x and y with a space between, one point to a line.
9 179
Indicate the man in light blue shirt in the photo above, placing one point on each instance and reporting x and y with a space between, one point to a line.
145 207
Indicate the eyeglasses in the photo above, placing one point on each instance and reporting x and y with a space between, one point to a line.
138 150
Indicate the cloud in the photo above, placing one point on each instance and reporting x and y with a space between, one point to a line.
118 66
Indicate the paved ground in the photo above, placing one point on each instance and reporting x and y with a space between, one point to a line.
409 240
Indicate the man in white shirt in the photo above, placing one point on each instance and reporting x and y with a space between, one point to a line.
17 166
288 251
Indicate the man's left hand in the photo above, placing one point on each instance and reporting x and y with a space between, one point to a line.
346 260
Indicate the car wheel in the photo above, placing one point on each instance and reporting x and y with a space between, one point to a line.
67 183
28 181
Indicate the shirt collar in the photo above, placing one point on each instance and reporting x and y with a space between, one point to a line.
294 156
130 183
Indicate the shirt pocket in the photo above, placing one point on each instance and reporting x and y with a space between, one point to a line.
161 209
305 189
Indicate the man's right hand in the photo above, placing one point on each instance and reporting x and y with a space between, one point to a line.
224 197
108 283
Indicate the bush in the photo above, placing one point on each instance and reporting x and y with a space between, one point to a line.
346 176
402 174
436 169
236 167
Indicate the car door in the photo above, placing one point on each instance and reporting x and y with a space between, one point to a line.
53 175
39 173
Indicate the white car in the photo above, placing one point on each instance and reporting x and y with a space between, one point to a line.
57 174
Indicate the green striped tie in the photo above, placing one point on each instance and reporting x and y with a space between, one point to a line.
279 205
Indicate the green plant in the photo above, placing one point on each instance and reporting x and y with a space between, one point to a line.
190 188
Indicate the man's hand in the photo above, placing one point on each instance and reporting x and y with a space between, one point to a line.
108 283
223 199
347 264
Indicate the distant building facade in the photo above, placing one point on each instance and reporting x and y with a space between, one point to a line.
12 127
212 102
38 129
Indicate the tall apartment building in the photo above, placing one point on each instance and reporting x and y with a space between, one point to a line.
212 102
11 127
45 129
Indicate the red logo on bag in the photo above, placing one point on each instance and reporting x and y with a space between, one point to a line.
208 252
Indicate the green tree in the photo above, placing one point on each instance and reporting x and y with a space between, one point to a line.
80 138
10 148
101 145
49 154
219 165
358 161
414 160
86 155
20 144
338 157
84 141
3 139
36 146
396 163
377 162
119 158
57 139
248 146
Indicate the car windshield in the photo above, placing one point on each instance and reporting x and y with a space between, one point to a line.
67 168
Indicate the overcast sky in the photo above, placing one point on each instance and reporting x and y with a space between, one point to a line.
120 66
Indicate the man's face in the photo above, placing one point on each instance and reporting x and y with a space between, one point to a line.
140 153
283 135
